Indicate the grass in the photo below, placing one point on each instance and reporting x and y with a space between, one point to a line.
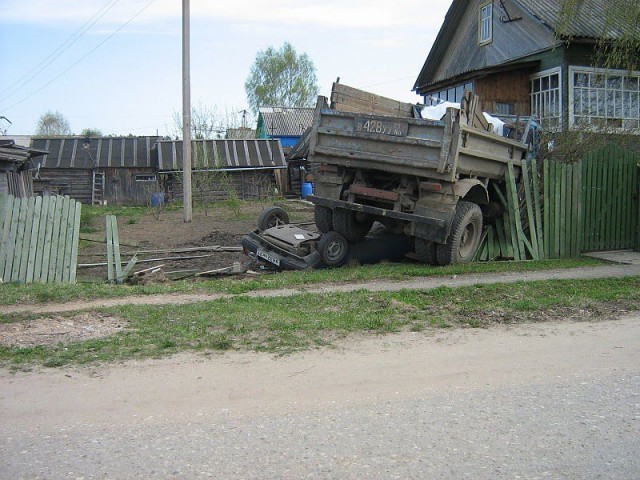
11 294
289 324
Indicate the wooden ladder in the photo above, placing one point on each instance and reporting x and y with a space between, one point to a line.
97 191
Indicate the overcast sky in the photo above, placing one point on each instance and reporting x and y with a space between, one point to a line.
116 65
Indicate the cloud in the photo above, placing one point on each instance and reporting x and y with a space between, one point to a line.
354 14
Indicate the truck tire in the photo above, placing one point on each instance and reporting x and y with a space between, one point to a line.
272 217
347 224
333 249
323 217
426 251
464 239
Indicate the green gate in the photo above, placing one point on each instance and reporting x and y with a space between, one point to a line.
591 205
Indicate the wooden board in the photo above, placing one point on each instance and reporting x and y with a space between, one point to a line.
349 99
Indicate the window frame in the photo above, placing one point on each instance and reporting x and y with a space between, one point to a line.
485 22
533 96
606 73
152 177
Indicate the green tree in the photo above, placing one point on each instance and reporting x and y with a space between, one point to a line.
91 132
53 123
619 36
281 78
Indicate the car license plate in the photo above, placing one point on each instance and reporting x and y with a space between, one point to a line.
268 257
382 127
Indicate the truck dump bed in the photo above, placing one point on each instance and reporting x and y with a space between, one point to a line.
441 150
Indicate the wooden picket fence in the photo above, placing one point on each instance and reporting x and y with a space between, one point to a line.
39 239
566 209
592 204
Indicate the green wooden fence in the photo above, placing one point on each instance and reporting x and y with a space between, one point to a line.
592 204
39 239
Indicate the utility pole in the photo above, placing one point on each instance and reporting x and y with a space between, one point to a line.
186 115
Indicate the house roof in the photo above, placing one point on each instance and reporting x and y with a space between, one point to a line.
11 152
455 53
224 154
285 121
101 152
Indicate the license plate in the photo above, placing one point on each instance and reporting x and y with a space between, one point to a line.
268 257
382 127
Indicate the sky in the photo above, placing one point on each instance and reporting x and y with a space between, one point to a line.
116 65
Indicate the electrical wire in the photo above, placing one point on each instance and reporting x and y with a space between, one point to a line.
63 47
118 30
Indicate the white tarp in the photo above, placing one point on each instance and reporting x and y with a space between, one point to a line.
436 112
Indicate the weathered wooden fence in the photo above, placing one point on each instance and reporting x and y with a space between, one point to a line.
592 204
39 239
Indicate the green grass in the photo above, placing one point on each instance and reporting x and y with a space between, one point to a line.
289 324
37 293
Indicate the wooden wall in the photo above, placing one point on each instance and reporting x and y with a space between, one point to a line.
507 87
248 185
76 183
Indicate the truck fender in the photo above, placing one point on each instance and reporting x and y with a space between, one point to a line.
472 190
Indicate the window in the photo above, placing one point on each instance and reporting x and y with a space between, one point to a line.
604 98
453 94
485 26
145 178
546 98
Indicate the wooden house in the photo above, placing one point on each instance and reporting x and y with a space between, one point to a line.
286 124
508 52
104 170
248 168
16 168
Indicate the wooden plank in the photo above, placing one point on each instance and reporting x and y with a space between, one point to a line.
48 239
502 239
58 267
110 260
514 210
18 244
5 223
625 200
116 249
546 226
11 242
595 203
563 214
75 242
26 240
68 241
556 209
587 186
533 231
55 240
33 243
579 231
42 234
537 208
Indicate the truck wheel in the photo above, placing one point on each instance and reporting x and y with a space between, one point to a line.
272 217
466 231
426 251
333 249
347 224
323 217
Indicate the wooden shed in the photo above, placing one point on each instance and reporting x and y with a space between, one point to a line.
16 168
103 170
249 168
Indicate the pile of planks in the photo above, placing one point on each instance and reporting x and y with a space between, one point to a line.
349 99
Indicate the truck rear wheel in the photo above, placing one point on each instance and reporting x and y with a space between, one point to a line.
464 239
426 251
333 249
351 225
323 217
272 217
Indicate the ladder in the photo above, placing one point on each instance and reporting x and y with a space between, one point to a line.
97 190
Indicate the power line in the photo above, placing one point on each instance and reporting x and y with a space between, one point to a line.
118 30
63 47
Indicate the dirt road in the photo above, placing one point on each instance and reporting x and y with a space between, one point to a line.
555 400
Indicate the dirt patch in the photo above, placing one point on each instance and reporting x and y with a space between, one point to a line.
217 227
54 330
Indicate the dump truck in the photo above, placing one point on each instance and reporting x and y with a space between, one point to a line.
376 160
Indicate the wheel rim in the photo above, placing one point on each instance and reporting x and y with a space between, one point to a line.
467 240
334 251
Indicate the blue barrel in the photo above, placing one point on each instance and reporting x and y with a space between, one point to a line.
307 189
157 199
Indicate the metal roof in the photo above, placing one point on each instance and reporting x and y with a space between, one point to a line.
222 154
285 121
101 152
455 52
12 152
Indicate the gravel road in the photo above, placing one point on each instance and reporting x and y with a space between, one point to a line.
555 400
